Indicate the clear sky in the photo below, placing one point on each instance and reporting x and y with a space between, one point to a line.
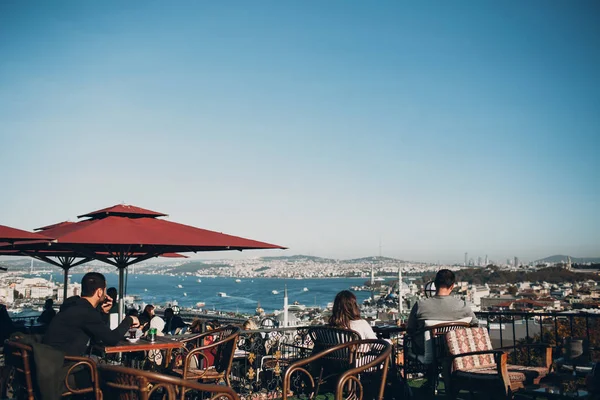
435 128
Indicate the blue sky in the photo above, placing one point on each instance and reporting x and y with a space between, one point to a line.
436 128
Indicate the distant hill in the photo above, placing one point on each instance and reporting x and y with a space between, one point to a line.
562 258
372 259
193 267
298 257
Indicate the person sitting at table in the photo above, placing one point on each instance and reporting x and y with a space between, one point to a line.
78 321
146 317
6 325
196 326
441 307
345 314
173 323
48 313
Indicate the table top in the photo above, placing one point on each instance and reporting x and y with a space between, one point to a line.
161 343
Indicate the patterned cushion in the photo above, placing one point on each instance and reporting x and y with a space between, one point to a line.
468 340
530 373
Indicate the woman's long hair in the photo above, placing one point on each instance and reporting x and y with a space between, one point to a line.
344 310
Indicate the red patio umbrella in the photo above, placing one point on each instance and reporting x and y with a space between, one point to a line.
123 235
12 235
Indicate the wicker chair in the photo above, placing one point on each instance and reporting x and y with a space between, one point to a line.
197 363
472 364
367 360
20 361
428 363
132 384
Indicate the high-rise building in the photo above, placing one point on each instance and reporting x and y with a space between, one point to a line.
516 261
479 261
466 259
486 261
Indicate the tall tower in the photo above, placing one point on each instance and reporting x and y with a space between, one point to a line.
285 307
400 306
466 260
486 261
516 261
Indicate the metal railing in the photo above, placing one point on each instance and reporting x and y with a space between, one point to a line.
509 329
262 357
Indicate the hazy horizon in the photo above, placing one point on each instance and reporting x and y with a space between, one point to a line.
339 129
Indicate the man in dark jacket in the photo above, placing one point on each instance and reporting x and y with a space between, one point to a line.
79 322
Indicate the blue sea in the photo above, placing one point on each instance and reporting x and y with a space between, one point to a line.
241 297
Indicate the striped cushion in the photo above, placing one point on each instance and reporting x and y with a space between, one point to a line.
468 340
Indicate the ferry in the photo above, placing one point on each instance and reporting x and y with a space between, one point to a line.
180 287
200 304
222 294
296 307
274 292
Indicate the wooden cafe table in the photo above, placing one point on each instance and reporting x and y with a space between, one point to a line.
168 343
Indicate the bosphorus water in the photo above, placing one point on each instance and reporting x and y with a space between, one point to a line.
241 297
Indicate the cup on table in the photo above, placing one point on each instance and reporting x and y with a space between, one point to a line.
132 333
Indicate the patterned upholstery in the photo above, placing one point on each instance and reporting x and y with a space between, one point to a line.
469 340
476 371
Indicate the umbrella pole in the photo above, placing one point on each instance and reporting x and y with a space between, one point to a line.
121 293
65 282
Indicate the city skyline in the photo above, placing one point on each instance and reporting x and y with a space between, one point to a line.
428 129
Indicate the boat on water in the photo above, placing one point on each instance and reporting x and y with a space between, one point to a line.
305 289
199 280
222 294
145 290
296 306
238 280
180 287
274 292
200 304
184 293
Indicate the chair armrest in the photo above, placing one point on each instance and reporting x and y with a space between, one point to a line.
547 353
352 374
88 363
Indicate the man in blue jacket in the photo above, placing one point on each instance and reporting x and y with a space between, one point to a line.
79 322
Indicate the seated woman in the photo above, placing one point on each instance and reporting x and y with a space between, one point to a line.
346 315
146 317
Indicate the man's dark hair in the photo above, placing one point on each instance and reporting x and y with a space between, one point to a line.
444 278
91 282
112 292
169 312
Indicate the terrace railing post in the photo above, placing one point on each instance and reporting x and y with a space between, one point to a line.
500 320
514 333
587 327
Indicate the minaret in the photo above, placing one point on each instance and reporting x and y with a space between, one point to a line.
372 276
285 307
400 310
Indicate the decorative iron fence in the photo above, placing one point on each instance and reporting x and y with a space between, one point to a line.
262 357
